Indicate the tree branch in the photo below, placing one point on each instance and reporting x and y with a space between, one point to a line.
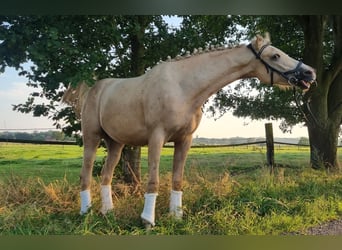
336 68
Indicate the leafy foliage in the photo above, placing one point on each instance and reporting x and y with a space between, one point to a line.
62 50
317 41
249 98
65 50
257 101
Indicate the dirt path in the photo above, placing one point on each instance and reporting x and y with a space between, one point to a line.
329 228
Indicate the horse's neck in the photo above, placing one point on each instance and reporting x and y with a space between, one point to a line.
203 75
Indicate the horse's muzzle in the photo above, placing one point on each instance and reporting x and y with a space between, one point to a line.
302 78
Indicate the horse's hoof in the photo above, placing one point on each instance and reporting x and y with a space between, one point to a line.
106 210
86 212
177 214
148 226
147 219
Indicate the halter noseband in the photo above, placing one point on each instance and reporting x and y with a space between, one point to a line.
292 80
290 76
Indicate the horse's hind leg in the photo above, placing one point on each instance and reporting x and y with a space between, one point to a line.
114 151
91 144
179 158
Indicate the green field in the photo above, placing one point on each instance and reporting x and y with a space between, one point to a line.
227 191
53 162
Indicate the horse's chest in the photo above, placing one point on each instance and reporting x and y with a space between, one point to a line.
182 123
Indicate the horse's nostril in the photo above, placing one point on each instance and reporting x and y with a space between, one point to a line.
308 73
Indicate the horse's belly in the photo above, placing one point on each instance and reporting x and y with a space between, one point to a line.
127 134
123 120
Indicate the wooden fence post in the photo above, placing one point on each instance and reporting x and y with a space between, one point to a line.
269 146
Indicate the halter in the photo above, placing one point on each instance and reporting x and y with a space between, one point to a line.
290 76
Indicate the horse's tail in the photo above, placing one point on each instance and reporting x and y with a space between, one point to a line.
75 97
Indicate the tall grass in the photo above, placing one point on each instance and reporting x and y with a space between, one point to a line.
267 205
219 198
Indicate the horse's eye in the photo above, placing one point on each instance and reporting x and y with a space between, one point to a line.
275 57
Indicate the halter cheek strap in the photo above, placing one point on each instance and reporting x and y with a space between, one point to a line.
292 80
258 55
291 77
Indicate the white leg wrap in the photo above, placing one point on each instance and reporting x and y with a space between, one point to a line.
149 208
85 201
106 196
176 204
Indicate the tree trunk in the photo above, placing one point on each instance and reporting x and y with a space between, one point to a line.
323 147
131 155
131 164
324 108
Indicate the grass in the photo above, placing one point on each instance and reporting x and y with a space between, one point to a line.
49 162
227 191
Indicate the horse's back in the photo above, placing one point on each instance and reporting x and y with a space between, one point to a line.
115 107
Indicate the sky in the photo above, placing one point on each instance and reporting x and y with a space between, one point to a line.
13 90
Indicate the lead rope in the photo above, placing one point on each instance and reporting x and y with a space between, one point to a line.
315 122
270 70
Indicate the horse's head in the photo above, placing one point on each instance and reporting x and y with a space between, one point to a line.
275 67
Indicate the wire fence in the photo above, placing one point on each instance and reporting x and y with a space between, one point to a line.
55 142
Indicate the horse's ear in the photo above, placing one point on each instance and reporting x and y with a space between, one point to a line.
259 42
267 37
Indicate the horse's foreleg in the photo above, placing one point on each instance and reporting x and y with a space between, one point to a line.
89 152
114 151
154 149
179 158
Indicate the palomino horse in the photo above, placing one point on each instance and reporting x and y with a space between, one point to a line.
164 105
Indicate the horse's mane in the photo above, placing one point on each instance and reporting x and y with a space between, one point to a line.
75 96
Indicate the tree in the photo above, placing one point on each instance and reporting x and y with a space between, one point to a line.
67 50
326 99
318 41
70 49
62 50
211 29
136 26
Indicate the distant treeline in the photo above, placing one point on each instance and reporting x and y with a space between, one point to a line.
37 136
